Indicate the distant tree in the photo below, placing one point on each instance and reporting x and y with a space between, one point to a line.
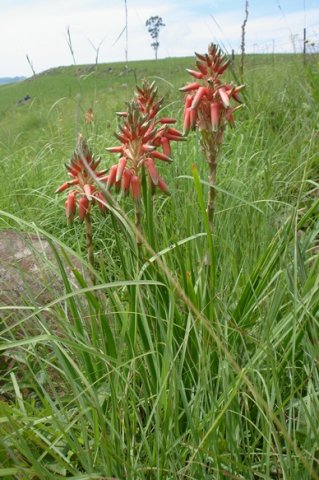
154 24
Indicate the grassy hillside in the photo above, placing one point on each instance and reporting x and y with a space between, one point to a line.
38 136
166 367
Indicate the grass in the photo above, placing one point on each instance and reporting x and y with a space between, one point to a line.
151 374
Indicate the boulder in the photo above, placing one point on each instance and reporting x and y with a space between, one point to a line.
29 271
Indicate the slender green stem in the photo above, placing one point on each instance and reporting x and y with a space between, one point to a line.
212 191
210 143
138 225
138 220
89 243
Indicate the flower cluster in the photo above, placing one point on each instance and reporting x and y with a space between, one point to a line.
208 100
83 170
141 134
146 99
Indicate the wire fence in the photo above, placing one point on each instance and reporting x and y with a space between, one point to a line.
305 41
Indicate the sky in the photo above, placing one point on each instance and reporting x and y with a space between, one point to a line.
37 29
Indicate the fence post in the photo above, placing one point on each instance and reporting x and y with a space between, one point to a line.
304 45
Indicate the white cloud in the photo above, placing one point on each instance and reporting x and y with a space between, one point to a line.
40 31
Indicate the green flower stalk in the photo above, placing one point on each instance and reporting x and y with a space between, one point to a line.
84 192
144 139
210 105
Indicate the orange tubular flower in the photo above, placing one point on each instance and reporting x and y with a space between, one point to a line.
208 103
82 168
89 115
141 134
146 99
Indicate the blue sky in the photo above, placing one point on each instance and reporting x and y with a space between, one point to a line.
37 28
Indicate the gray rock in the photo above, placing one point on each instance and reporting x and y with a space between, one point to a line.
29 273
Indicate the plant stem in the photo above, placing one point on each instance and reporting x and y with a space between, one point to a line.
89 243
211 148
138 223
211 192
242 46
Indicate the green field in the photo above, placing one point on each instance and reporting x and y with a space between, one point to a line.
153 372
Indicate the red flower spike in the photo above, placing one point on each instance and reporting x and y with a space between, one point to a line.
209 98
142 133
83 170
